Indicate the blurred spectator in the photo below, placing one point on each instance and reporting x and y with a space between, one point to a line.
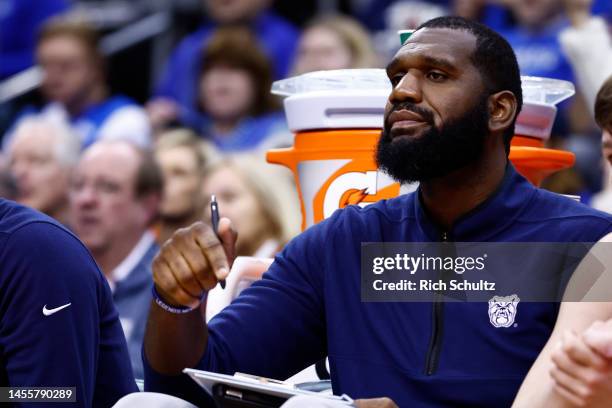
182 156
177 89
262 202
8 186
377 14
74 82
471 9
114 198
588 46
19 24
234 94
259 198
384 18
334 42
496 14
42 155
534 38
401 15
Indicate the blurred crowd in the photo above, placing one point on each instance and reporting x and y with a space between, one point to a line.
125 171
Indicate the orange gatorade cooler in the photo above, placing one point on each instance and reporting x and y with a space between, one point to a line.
337 117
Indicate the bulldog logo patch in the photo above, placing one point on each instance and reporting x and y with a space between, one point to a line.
502 310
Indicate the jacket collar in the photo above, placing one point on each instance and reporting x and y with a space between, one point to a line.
140 277
487 219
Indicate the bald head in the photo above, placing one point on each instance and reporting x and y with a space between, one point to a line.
114 158
42 154
53 136
115 194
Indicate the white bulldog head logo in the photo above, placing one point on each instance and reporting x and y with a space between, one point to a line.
502 310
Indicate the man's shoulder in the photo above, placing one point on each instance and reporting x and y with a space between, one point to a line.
553 205
37 239
14 216
567 215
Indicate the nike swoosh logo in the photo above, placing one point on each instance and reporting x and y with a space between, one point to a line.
49 312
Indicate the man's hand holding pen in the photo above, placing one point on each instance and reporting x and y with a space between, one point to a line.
193 261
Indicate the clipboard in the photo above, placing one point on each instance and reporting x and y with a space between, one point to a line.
244 390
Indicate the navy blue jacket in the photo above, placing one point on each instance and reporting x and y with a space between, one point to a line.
308 305
43 267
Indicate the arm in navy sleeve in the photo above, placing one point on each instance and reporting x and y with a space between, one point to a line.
44 267
275 328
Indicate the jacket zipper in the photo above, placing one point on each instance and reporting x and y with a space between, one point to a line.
435 341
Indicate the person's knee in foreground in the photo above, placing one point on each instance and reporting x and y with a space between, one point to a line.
448 124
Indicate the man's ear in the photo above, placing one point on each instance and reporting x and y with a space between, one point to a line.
502 109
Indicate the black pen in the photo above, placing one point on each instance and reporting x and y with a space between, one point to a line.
214 219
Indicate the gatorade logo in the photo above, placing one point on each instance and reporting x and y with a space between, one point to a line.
348 189
353 197
335 169
352 185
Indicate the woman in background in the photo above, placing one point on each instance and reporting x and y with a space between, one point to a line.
334 42
262 203
234 95
259 198
182 157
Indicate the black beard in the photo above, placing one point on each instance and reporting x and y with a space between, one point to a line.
437 152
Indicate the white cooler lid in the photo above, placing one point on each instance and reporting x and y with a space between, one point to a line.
540 95
335 99
356 98
336 110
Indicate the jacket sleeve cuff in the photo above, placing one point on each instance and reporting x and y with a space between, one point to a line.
181 386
